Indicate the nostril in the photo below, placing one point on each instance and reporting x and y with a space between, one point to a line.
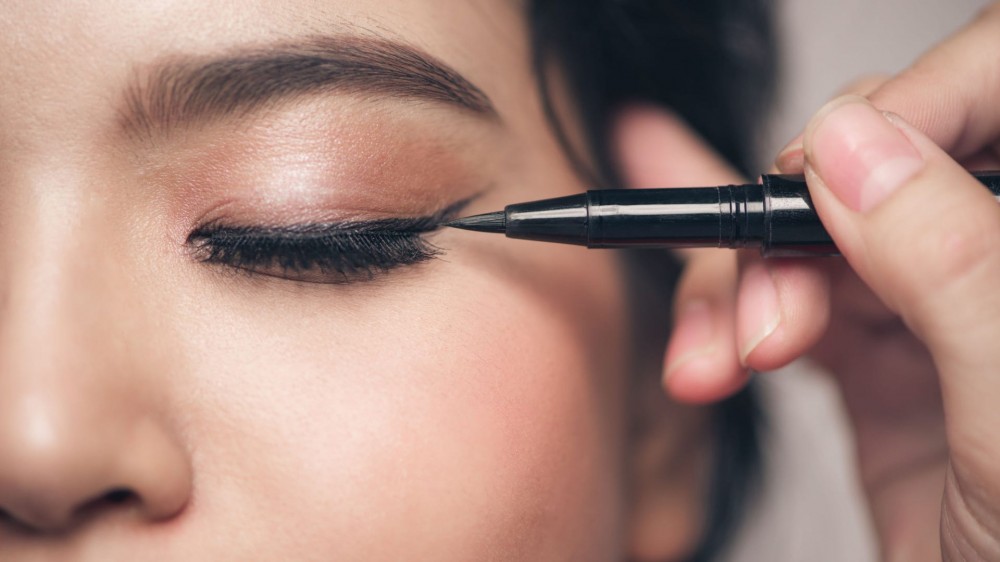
110 500
114 500
118 496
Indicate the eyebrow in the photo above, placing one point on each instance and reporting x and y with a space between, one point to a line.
185 90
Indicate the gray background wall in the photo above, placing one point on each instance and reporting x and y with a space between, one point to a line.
828 43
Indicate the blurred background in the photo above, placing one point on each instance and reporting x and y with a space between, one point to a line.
829 43
811 507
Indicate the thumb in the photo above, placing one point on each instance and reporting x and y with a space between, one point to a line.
925 236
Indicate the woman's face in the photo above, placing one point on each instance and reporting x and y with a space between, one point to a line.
209 350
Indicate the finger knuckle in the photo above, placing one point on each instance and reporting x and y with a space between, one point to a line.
961 250
970 519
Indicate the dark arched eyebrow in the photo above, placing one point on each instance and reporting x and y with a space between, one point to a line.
184 90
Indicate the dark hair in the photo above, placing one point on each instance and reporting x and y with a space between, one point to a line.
713 63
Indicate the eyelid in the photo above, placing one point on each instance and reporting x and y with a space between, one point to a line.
321 252
424 223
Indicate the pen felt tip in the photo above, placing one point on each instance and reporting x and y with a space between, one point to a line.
489 222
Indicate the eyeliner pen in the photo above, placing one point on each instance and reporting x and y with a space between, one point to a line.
776 216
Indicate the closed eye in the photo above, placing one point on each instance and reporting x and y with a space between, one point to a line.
332 253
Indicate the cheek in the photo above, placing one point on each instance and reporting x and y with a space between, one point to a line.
477 412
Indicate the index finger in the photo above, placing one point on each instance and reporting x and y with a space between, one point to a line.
950 93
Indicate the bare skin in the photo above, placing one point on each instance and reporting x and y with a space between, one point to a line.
157 407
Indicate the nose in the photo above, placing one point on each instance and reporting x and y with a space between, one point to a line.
86 430
60 470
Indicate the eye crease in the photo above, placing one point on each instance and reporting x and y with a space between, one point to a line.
327 252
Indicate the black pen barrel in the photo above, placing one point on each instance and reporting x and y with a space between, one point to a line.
665 218
777 216
791 227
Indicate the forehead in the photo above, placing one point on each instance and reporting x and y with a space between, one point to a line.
69 59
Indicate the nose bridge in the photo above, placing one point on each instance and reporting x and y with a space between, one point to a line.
56 284
62 358
57 341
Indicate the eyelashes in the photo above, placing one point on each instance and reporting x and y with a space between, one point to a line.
318 253
332 253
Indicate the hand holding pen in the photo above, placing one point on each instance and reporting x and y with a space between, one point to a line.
911 317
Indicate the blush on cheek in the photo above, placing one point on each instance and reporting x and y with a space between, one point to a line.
506 422
381 441
539 426
498 447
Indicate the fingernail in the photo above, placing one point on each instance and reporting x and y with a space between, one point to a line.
792 157
693 335
760 310
859 154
